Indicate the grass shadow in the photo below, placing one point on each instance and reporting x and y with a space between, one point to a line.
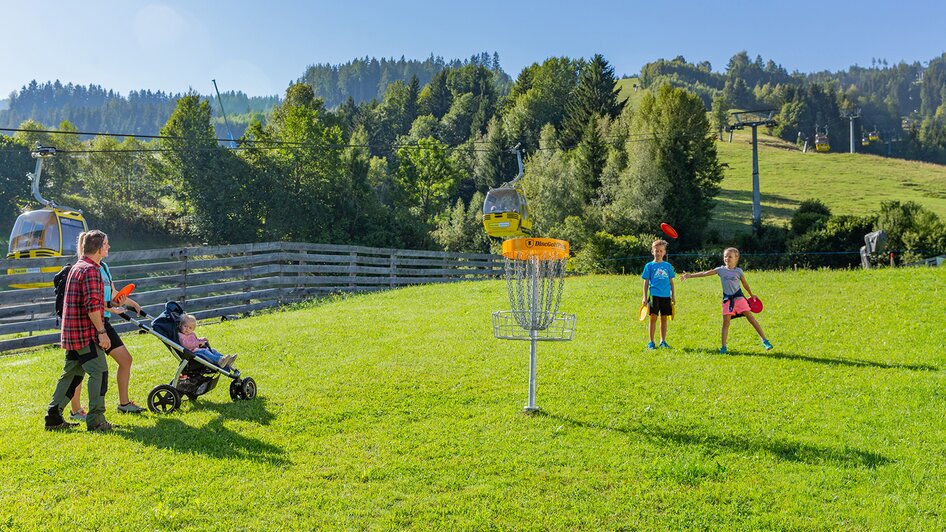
791 451
852 362
254 410
214 439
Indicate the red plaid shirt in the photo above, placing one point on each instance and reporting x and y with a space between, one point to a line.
85 293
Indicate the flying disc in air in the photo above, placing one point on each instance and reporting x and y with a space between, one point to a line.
669 231
755 304
124 292
644 312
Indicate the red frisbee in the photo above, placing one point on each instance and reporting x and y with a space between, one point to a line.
124 292
669 231
755 304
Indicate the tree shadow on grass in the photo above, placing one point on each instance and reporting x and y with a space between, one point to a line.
213 439
853 362
791 451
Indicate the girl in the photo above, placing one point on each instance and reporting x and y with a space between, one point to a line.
734 301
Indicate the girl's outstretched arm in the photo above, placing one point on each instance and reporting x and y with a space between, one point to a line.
707 273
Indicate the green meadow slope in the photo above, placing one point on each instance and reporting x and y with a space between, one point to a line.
847 183
399 409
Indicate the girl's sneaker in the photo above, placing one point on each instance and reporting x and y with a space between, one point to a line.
80 415
767 345
722 350
130 408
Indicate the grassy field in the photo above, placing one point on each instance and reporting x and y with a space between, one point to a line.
399 409
848 183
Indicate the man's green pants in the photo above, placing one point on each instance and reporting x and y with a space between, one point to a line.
89 360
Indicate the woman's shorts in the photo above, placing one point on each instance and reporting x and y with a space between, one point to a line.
112 337
662 306
739 307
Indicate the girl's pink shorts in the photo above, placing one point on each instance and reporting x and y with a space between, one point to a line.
738 308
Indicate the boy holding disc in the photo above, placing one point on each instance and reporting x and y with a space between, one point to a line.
659 292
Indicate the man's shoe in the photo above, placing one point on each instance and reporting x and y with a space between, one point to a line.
650 345
767 345
65 425
103 426
130 408
722 350
664 345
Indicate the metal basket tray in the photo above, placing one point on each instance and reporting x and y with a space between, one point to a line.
506 327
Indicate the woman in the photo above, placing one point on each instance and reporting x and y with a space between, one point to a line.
117 350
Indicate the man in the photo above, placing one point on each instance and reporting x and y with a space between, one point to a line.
84 338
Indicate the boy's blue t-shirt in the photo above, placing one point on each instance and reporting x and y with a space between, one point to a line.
659 275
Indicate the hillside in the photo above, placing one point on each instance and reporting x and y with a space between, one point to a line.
847 183
400 410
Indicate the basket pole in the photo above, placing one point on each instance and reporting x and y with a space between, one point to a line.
531 407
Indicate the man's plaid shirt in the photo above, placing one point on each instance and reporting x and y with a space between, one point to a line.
84 295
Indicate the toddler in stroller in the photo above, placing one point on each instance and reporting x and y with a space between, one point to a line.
199 346
197 372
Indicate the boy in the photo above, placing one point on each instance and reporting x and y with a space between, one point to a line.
658 285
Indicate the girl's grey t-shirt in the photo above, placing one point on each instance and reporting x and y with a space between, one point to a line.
730 279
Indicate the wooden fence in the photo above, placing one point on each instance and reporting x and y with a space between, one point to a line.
227 280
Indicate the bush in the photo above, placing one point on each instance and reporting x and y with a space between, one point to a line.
836 245
607 253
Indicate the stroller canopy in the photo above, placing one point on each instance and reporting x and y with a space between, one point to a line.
167 322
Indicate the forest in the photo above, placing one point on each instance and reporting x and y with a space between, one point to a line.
407 162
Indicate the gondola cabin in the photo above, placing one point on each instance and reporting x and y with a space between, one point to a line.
821 144
865 141
48 232
506 214
873 136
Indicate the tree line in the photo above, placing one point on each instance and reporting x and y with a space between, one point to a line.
904 103
408 170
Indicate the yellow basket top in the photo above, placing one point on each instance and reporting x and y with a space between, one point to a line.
542 248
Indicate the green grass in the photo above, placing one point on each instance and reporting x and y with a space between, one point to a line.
399 409
847 183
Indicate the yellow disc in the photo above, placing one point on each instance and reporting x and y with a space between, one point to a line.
644 312
542 248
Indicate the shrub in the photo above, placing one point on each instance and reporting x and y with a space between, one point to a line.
607 253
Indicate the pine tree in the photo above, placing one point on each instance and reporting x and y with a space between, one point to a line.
596 93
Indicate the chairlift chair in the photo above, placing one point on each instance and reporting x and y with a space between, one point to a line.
52 231
821 141
505 211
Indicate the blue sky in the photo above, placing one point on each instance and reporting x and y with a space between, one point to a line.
260 48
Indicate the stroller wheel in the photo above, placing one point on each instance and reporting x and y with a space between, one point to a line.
164 399
236 390
249 388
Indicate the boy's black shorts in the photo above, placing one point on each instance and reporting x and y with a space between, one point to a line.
662 306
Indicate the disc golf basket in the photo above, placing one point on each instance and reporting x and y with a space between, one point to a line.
535 278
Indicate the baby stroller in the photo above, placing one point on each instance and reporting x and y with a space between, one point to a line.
195 376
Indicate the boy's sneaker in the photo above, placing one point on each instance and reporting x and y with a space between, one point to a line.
78 416
664 345
130 408
650 345
767 345
722 350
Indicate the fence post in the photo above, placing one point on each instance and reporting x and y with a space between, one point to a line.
352 264
393 275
